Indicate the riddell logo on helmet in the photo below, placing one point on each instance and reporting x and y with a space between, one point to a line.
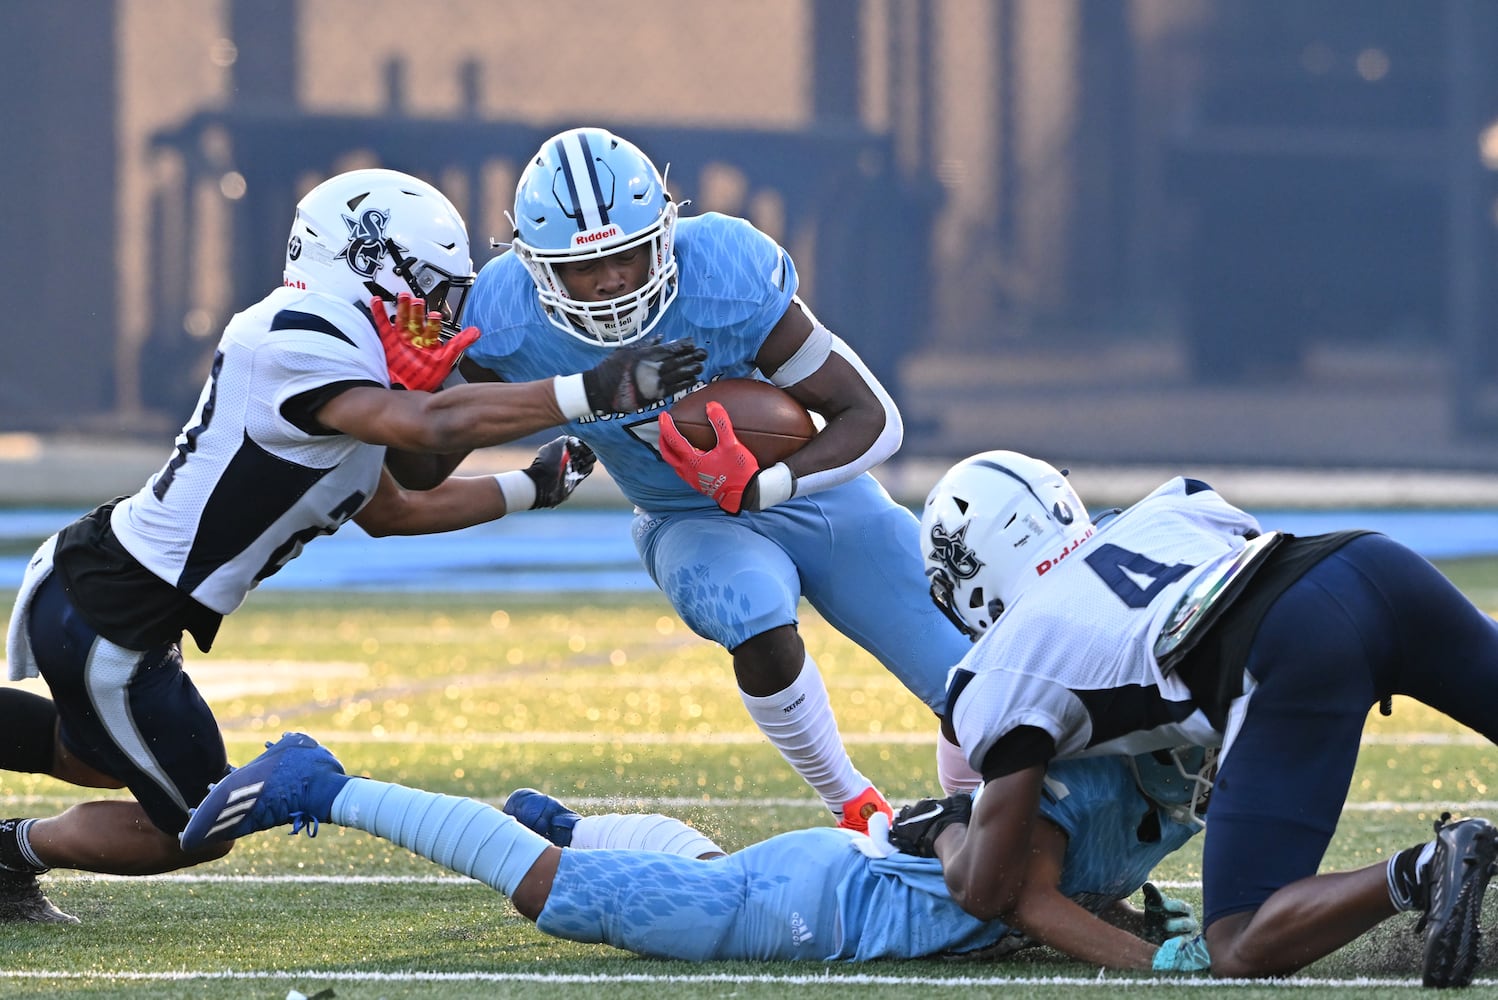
583 239
1046 565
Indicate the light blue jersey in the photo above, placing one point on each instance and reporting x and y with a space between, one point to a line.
735 283
811 895
850 550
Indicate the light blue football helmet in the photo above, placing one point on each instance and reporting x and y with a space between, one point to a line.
1178 780
587 194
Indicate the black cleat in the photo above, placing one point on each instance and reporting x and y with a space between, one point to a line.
1455 881
22 901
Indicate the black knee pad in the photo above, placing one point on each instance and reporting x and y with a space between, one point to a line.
28 731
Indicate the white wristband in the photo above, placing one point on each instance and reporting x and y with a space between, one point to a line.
519 490
572 398
777 484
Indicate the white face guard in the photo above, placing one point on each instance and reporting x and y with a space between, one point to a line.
620 320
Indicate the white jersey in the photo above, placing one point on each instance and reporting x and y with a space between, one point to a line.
1074 654
254 477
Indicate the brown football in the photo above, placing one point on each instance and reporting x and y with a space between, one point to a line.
765 419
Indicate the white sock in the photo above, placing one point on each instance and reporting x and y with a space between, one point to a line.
952 769
465 836
798 722
641 832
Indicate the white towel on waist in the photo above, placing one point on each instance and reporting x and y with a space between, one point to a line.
17 641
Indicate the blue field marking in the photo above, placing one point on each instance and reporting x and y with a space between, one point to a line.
571 551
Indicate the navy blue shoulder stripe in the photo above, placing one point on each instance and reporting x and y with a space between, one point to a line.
291 319
1196 486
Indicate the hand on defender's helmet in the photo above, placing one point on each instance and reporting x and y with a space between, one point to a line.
559 466
414 352
724 472
917 826
640 374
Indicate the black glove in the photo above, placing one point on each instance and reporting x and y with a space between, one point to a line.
559 466
917 826
640 374
1165 917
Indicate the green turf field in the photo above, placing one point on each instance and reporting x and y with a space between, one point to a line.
605 702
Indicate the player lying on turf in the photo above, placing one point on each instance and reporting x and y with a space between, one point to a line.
1181 621
824 894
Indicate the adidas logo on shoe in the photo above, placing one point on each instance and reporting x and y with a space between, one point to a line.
240 802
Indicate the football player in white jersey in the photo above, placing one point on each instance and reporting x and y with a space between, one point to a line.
308 389
655 886
1182 621
599 261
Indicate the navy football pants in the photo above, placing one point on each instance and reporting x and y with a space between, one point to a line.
1372 619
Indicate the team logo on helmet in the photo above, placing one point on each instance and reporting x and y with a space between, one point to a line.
367 243
951 551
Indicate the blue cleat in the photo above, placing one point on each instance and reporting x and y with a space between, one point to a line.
1456 881
294 781
542 814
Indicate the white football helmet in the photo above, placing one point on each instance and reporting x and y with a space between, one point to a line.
993 525
588 194
381 232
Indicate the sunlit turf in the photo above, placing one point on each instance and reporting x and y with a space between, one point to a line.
609 701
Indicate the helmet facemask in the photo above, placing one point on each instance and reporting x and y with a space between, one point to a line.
586 196
443 293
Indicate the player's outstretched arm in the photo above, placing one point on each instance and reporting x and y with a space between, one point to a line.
481 415
462 501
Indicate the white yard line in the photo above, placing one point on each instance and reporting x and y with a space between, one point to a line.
829 978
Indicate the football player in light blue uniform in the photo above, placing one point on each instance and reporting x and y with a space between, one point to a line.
599 260
817 895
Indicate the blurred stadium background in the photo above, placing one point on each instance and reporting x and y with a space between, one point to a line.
1250 233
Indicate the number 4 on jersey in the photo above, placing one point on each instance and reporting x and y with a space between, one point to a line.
1134 577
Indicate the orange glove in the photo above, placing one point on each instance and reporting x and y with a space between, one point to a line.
414 351
723 473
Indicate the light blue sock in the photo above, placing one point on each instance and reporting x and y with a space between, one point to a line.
460 834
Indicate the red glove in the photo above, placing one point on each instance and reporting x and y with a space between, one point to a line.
414 351
723 473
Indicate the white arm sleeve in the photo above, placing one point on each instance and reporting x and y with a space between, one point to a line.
885 445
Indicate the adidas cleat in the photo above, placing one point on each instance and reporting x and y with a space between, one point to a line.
1457 878
22 901
294 781
540 813
857 810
